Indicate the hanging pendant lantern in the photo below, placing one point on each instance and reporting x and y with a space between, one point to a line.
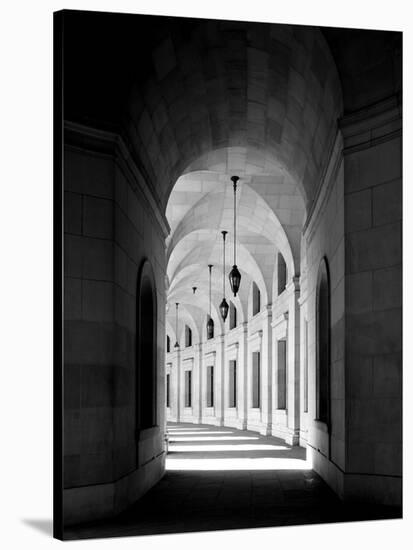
235 275
224 307
210 322
176 325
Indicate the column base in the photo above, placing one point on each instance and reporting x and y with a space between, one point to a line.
260 427
106 500
303 438
289 435
354 487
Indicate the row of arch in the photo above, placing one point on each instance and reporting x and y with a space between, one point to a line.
146 349
270 120
197 236
323 343
190 316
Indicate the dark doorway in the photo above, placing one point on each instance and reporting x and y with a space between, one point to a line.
146 350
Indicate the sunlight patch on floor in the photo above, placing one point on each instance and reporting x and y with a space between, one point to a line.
217 448
197 433
236 464
213 438
186 429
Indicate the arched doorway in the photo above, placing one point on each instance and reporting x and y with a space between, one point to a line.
146 349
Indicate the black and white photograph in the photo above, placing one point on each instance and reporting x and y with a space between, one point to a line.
231 274
226 287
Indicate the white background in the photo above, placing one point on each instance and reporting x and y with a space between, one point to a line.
26 271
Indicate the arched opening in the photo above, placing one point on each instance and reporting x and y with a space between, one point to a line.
210 328
323 344
256 299
277 145
234 369
146 349
188 337
232 316
281 272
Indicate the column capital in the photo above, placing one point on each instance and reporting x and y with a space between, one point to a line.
267 311
294 284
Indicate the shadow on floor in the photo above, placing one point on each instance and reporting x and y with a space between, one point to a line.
218 480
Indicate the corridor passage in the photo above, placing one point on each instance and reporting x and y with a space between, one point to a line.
223 478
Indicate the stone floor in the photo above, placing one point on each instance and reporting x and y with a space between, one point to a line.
222 478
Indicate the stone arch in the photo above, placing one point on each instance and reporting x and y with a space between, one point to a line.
203 199
277 93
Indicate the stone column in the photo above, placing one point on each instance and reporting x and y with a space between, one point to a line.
197 382
293 363
266 371
176 385
255 416
220 373
304 364
242 378
279 326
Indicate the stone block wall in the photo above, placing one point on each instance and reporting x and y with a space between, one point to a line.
356 225
373 227
323 237
109 231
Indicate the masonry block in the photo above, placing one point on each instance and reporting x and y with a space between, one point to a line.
97 301
97 217
72 213
387 203
375 248
358 208
373 166
387 288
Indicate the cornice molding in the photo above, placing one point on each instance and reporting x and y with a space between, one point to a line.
86 138
372 125
257 335
280 320
232 345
